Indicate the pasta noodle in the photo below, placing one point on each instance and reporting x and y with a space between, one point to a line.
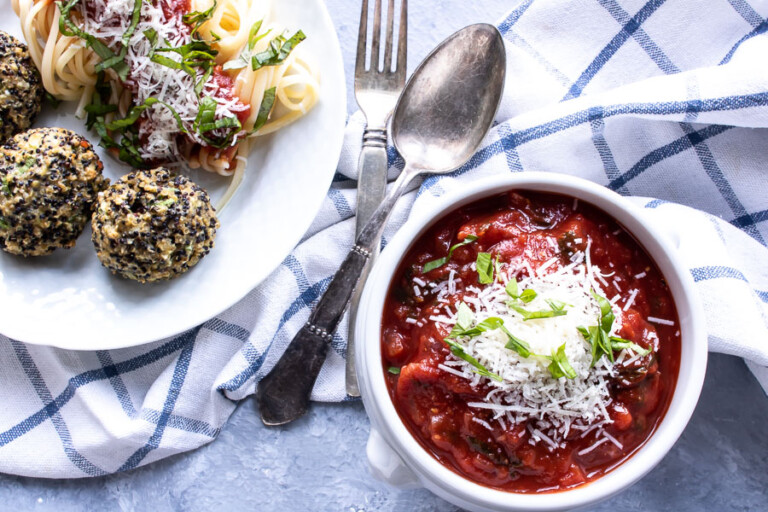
69 68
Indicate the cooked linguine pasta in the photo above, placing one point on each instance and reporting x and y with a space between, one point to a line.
172 81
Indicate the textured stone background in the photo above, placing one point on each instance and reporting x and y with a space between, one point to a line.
318 463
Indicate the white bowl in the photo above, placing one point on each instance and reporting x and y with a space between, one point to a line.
396 457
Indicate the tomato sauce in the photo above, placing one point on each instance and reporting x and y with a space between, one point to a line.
432 403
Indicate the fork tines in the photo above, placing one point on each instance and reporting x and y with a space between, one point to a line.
362 40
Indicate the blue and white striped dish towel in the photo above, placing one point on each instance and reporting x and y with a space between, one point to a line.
665 101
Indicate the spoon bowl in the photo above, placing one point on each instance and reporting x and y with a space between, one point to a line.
451 100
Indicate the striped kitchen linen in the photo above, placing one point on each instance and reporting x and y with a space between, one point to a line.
666 102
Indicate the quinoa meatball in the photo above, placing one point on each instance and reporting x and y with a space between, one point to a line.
21 87
49 180
153 225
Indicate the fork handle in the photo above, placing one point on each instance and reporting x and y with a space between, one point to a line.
371 189
283 395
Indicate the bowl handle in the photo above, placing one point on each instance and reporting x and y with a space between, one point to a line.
386 465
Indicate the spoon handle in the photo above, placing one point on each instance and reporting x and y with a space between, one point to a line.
283 394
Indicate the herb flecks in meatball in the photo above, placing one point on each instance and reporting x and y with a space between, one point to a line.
21 88
153 225
49 180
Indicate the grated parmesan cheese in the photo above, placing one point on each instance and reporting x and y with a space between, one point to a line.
527 392
660 321
108 21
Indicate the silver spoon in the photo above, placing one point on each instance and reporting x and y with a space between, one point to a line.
444 112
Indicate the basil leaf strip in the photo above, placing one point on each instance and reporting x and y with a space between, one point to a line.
489 324
464 316
516 344
431 265
512 288
198 18
151 35
606 313
253 35
206 122
484 268
278 50
513 291
459 352
4 223
107 56
136 111
533 315
620 343
267 102
560 367
464 329
197 54
394 370
135 18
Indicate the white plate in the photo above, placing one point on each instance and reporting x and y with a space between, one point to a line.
70 301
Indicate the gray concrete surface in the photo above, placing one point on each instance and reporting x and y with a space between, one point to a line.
318 463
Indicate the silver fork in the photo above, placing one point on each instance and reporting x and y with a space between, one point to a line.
376 91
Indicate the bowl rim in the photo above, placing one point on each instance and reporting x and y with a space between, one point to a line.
458 489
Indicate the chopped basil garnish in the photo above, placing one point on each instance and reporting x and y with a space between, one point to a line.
463 327
278 50
489 324
513 290
135 112
151 35
100 109
556 305
244 58
135 18
484 268
5 188
431 265
556 310
198 18
464 321
197 54
516 344
464 316
620 343
598 341
126 127
606 313
394 370
4 223
206 122
459 352
560 367
108 58
599 337
267 102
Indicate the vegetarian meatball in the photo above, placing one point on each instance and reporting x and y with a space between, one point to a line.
153 225
21 87
49 180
